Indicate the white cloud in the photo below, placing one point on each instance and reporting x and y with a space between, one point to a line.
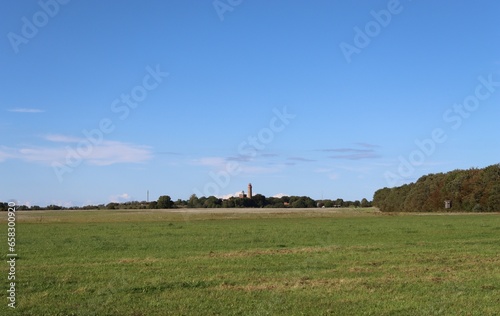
56 138
61 203
24 110
280 195
39 154
111 152
27 203
79 149
120 198
227 196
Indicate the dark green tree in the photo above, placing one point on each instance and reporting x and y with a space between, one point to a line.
153 205
259 200
4 206
193 201
212 202
164 201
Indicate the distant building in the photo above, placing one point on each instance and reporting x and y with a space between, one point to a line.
249 195
447 204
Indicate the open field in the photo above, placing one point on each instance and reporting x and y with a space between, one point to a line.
255 262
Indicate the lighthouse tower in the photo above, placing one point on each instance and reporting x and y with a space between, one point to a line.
249 190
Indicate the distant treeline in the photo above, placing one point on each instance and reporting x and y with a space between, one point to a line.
259 200
472 190
165 201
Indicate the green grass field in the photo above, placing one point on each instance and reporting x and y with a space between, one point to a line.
342 262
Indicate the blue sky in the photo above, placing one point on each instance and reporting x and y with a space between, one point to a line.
103 101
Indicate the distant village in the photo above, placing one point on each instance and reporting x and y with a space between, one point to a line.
243 200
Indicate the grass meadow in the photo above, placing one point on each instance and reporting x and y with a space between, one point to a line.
301 262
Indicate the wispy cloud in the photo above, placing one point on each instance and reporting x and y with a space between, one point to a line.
239 158
356 156
269 155
168 153
353 153
301 159
367 145
100 154
56 138
25 110
112 152
346 150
